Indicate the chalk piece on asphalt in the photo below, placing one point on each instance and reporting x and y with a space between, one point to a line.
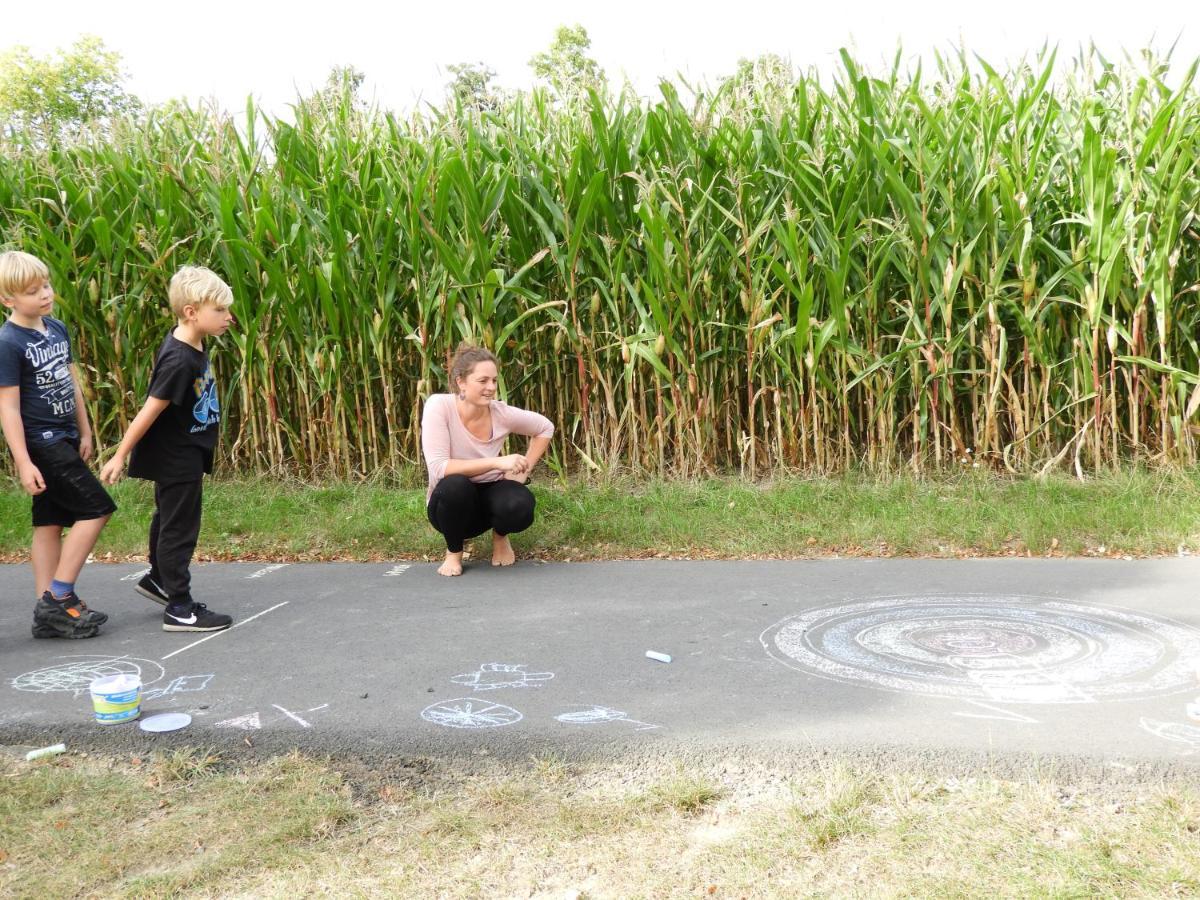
661 657
52 750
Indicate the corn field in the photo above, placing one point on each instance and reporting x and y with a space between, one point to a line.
911 270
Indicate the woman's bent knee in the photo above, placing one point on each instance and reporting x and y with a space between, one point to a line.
513 511
455 490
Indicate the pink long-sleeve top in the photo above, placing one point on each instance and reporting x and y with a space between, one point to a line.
444 437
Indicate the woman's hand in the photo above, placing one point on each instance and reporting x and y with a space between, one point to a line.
514 464
518 477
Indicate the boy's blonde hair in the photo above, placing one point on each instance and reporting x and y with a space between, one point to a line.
18 271
197 286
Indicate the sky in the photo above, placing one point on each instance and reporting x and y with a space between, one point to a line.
227 50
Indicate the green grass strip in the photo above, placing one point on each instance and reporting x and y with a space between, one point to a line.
1135 513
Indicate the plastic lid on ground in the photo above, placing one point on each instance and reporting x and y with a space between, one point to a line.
166 722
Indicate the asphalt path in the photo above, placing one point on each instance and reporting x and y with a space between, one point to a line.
1093 660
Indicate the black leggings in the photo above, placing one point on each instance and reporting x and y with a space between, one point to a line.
173 533
460 508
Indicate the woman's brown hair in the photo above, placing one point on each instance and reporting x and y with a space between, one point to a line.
466 358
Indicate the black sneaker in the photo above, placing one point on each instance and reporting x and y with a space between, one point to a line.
83 631
65 617
152 590
91 616
197 617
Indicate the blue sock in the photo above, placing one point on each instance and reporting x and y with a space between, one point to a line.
60 589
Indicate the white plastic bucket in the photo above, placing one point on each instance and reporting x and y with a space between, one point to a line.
117 698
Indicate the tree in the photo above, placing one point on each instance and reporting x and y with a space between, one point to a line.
341 87
65 93
471 86
339 96
344 81
768 72
566 65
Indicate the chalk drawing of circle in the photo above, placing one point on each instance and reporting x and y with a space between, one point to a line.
75 676
973 639
465 712
592 716
966 641
1005 648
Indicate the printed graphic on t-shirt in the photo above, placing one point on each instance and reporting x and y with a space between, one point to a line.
52 375
207 411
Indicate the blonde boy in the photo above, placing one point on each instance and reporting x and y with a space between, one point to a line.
172 440
46 426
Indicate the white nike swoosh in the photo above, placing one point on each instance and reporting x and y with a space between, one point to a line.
190 620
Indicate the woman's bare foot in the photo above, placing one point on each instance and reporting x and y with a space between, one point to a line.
452 565
502 551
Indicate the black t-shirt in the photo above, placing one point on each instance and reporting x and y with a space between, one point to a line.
40 364
179 445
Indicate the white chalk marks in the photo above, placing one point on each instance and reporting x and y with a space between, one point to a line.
267 570
1173 731
395 570
184 684
600 715
251 722
136 576
75 676
494 676
995 712
994 648
463 712
217 634
295 717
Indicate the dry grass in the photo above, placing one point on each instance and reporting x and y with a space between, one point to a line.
190 824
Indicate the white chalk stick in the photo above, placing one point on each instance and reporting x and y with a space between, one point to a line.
46 751
661 657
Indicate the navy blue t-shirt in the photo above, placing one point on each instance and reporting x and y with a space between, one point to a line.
179 445
40 364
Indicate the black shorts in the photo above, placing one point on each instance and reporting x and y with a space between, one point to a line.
73 494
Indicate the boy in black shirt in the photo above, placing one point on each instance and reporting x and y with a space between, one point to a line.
46 426
172 440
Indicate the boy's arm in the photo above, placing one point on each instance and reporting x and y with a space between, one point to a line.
14 433
81 419
115 467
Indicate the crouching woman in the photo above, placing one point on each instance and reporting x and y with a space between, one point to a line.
472 489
